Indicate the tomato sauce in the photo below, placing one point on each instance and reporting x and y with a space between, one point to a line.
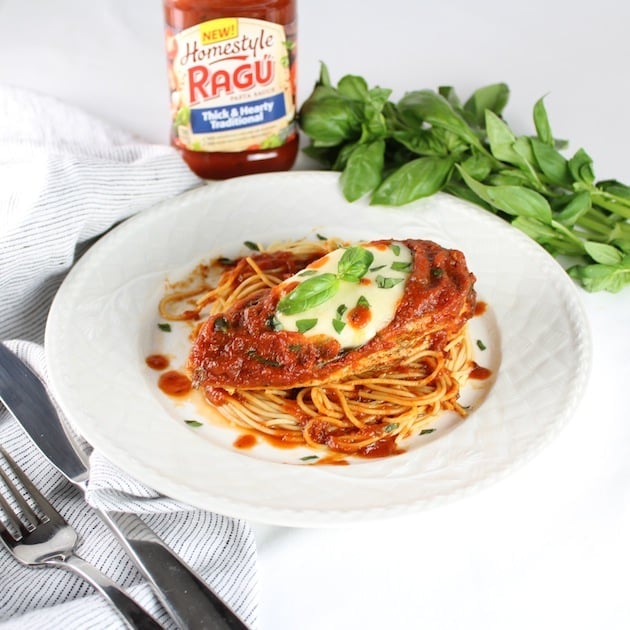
245 441
157 361
480 373
232 79
480 308
174 383
359 316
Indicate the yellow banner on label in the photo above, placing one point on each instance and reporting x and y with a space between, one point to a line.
218 30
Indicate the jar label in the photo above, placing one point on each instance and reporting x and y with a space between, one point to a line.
232 84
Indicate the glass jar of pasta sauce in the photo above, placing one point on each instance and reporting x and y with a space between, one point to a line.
231 71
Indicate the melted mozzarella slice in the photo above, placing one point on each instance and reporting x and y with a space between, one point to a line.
357 309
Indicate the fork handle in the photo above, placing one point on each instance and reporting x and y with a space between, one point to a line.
135 617
182 592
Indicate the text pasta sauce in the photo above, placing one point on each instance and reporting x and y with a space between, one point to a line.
231 68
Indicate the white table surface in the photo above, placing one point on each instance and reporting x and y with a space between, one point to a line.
547 547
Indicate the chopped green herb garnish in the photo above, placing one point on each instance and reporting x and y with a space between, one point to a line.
251 245
309 458
225 261
426 431
436 272
252 354
395 248
307 272
338 325
399 265
193 423
321 237
220 324
305 324
378 267
384 282
481 345
274 323
362 301
341 309
392 426
164 327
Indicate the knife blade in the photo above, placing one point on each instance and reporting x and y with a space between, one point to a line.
186 597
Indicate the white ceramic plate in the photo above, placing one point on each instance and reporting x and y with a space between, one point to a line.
103 324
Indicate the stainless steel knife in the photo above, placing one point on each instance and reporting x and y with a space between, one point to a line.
182 592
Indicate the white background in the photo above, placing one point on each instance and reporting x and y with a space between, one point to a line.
548 546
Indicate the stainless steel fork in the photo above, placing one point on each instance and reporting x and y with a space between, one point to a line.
49 541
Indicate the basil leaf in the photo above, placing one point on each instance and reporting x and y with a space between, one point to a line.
329 118
600 277
579 204
551 163
362 301
421 177
425 106
399 265
515 200
164 327
354 263
363 170
384 282
310 293
581 167
338 325
603 253
541 122
353 87
251 245
490 97
305 324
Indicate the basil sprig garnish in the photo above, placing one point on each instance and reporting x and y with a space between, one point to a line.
310 293
354 264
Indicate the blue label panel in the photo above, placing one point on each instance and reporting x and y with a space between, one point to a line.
249 114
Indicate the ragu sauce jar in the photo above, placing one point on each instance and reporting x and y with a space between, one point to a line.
231 71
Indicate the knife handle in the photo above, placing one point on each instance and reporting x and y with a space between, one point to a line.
182 592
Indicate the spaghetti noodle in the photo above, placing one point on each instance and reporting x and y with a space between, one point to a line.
368 413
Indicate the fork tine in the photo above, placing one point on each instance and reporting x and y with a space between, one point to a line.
10 520
37 497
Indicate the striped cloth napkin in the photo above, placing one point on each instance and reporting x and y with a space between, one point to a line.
65 178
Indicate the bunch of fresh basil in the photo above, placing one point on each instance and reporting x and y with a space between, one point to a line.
430 141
